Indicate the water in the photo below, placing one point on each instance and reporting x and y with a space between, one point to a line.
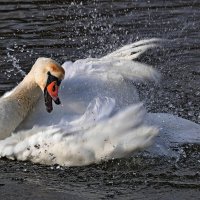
72 30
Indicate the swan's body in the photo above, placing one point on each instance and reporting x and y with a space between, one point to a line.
100 116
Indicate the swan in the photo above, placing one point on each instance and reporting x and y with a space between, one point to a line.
100 115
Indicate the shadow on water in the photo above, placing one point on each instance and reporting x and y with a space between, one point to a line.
69 30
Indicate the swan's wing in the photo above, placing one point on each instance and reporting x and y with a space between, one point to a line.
134 50
116 137
107 76
116 66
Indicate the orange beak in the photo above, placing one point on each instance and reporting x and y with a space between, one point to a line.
52 89
51 93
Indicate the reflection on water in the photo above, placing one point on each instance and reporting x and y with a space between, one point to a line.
68 30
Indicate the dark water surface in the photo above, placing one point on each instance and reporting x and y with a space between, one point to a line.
69 30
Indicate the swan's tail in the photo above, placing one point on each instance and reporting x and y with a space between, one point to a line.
113 138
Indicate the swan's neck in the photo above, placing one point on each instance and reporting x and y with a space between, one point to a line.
15 107
27 94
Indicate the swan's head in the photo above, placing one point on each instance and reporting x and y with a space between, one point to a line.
48 75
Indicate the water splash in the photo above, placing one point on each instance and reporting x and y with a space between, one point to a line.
15 62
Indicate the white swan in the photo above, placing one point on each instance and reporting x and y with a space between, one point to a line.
93 122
